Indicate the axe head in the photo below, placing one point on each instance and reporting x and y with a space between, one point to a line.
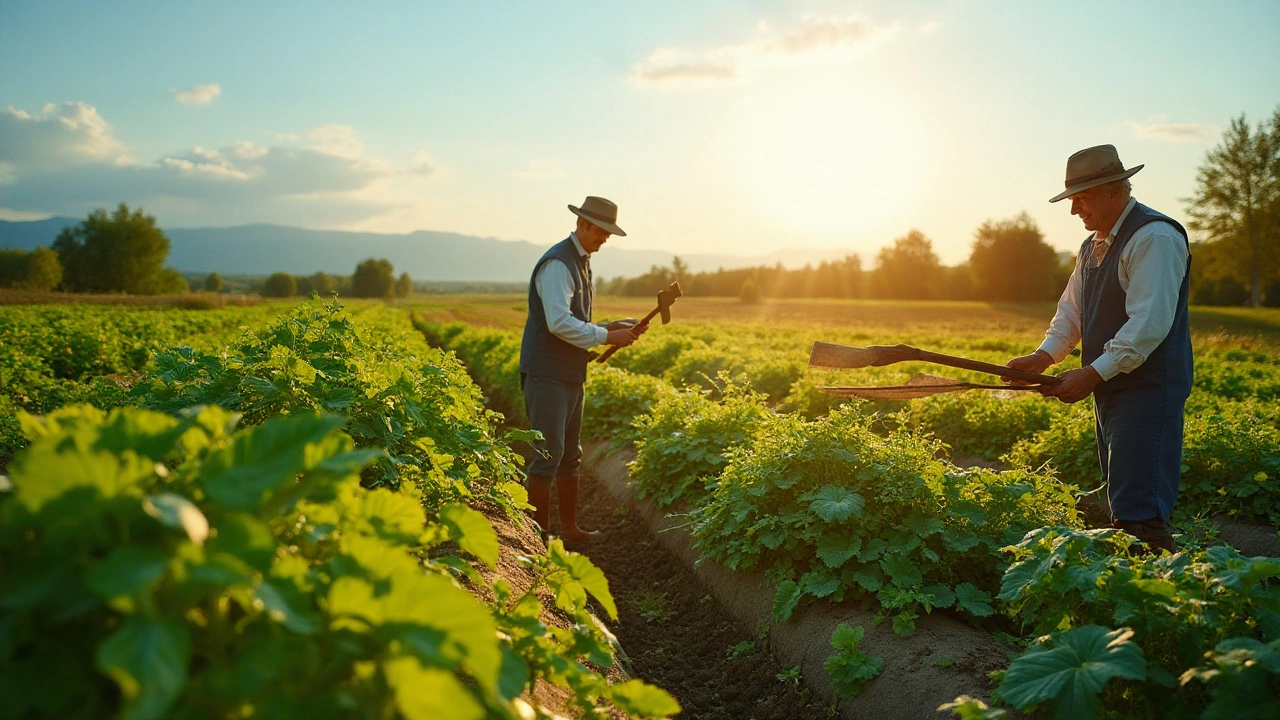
666 299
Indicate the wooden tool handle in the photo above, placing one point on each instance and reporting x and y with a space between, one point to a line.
615 348
989 368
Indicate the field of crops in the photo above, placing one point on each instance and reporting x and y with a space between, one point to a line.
276 511
961 504
283 510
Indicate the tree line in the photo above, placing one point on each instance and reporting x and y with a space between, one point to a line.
125 252
1010 262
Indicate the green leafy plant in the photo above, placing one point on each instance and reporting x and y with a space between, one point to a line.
850 669
1067 671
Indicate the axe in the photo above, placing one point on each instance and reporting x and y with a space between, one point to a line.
830 355
666 299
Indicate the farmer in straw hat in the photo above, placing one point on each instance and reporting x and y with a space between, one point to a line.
553 361
1126 302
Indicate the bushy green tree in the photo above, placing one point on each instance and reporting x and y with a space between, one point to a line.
1236 203
13 267
213 283
1011 262
908 270
324 285
44 271
302 285
121 252
750 292
404 286
279 285
374 279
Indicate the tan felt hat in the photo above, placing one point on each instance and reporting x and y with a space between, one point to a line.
1092 167
601 213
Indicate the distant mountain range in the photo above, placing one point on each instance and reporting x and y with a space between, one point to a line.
425 255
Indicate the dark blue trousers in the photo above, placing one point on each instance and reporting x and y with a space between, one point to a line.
554 408
1140 450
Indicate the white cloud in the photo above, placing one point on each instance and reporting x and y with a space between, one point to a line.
814 38
336 140
66 161
422 164
1174 132
60 135
198 95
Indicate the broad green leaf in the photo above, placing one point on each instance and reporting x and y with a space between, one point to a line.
514 675
940 596
44 473
869 578
836 504
785 600
148 660
590 577
901 571
245 537
819 583
1070 674
127 571
147 433
1020 576
973 601
846 637
639 699
427 693
923 525
392 516
472 531
178 512
835 549
433 601
264 458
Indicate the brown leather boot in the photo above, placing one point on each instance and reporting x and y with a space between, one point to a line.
1154 532
539 487
567 493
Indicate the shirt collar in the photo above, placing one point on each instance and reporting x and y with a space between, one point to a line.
577 245
1119 221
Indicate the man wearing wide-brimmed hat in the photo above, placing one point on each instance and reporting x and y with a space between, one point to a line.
1126 302
553 361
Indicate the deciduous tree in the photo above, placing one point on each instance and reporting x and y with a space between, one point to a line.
121 252
280 285
1236 202
373 279
1011 262
213 283
908 270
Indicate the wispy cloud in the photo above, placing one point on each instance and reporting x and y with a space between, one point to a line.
422 164
815 37
66 161
198 95
1174 132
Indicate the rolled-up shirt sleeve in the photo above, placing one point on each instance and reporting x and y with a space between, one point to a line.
1151 271
555 287
1064 331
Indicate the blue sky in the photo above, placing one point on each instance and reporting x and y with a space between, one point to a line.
728 127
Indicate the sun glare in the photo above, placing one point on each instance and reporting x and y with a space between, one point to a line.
828 159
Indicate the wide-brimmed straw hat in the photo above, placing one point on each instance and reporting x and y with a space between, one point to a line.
599 212
1092 167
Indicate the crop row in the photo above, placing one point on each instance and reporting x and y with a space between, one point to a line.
854 505
289 526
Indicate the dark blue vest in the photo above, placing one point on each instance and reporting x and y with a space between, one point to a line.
1103 313
542 353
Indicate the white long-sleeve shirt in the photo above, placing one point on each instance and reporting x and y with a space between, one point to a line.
555 287
1150 269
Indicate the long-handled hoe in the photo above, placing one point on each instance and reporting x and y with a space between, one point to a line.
832 356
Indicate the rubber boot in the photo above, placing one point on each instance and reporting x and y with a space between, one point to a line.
1154 532
567 493
539 487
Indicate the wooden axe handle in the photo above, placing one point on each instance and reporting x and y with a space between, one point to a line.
989 368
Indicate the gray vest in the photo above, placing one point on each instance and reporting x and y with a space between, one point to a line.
1103 313
541 352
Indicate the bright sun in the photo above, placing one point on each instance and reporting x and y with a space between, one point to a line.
825 159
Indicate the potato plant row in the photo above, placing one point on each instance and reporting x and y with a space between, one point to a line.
856 504
295 524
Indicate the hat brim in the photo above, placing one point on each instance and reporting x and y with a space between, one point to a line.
610 227
1095 183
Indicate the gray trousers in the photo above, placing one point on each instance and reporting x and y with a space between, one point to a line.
554 408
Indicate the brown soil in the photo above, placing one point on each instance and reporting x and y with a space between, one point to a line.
676 634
